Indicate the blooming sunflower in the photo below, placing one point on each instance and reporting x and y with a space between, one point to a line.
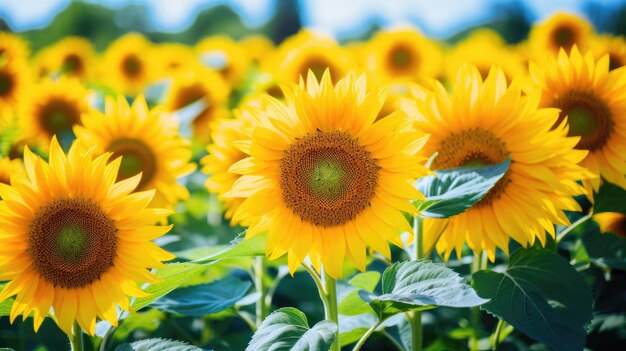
224 55
323 179
308 51
8 167
593 103
614 46
562 30
197 84
482 123
147 140
403 54
612 222
13 49
125 65
483 49
53 108
14 81
71 56
75 240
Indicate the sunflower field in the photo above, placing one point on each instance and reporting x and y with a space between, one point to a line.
397 192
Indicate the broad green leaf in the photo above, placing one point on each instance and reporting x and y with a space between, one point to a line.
605 250
147 321
610 198
288 329
351 304
170 277
452 191
204 299
240 247
419 285
157 345
541 295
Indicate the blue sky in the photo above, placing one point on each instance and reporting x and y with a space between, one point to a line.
336 17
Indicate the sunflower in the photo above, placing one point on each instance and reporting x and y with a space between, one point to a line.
198 84
562 30
53 108
614 46
483 123
126 66
612 222
9 167
483 49
74 240
14 82
71 56
13 49
223 153
592 101
147 140
308 51
403 54
226 56
323 179
258 46
173 58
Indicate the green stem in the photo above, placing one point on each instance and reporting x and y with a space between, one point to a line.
76 338
496 337
105 338
318 283
331 310
247 318
416 320
478 264
365 336
259 272
580 221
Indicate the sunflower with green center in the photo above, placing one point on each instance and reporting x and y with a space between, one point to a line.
53 108
223 153
483 123
75 242
592 102
148 142
323 179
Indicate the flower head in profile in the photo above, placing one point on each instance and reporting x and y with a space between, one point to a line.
75 243
323 178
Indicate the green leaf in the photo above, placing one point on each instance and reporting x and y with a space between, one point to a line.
350 303
5 306
452 191
170 277
288 329
204 299
605 250
240 247
157 345
610 198
419 285
352 328
541 295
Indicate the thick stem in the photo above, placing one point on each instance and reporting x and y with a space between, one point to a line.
365 336
478 264
76 338
261 305
416 320
331 310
